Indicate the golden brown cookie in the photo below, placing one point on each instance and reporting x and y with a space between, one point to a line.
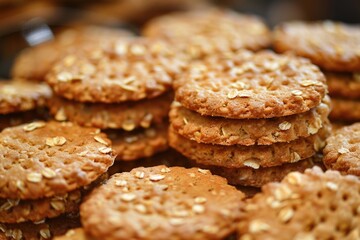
251 85
129 70
164 203
222 131
333 46
345 110
38 231
196 33
237 156
140 143
342 149
34 63
343 85
16 210
21 96
43 159
248 176
126 116
73 234
313 205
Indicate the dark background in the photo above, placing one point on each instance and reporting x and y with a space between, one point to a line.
131 14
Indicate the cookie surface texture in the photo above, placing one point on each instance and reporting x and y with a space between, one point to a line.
251 85
130 69
342 150
162 203
34 63
332 46
196 32
42 159
313 205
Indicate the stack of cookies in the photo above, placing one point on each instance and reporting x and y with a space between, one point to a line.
334 47
122 87
250 117
210 31
45 168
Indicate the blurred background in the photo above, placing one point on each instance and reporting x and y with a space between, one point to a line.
19 19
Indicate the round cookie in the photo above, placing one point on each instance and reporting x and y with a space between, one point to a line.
248 176
139 143
126 116
222 131
333 46
342 149
130 69
313 205
34 63
43 159
164 203
345 110
41 230
16 210
22 96
251 85
196 33
237 156
343 85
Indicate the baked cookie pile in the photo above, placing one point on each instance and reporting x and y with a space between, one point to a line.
45 169
250 117
334 47
123 88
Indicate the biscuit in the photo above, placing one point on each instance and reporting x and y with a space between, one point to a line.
345 110
164 203
43 159
313 205
333 46
343 85
218 130
126 116
196 33
251 85
248 176
16 210
139 143
34 63
21 96
129 70
38 231
342 150
237 156
73 234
